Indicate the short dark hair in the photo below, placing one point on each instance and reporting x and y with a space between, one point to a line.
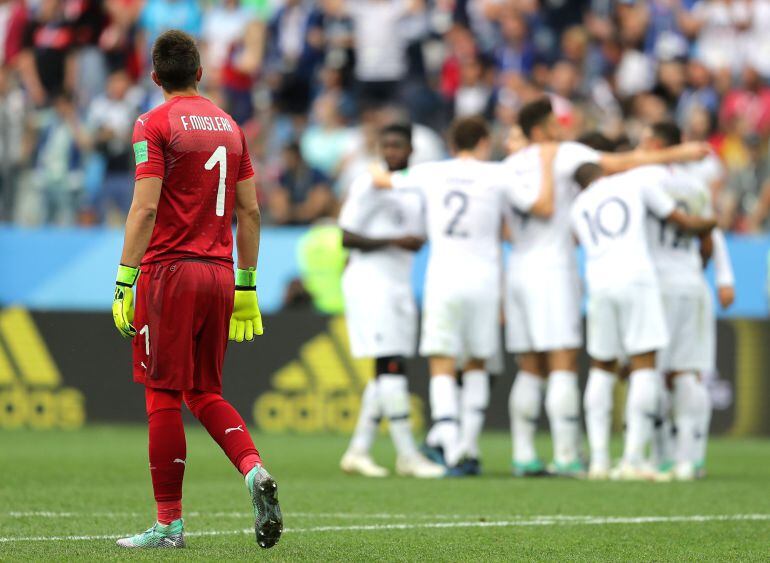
467 132
176 60
597 141
668 132
587 173
402 129
534 114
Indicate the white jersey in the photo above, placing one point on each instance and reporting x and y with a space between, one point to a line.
378 214
464 204
547 243
677 255
610 221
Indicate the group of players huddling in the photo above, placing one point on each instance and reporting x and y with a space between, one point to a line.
643 218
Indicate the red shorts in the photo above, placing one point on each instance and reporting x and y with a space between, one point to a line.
182 320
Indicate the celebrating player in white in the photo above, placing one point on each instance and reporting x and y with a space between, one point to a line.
543 322
465 200
625 310
679 261
383 229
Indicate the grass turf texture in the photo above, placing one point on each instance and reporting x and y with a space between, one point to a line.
95 482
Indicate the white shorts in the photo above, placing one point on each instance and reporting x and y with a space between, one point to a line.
687 318
626 321
381 318
542 312
460 323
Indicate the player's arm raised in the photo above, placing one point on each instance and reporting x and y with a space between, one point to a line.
619 162
690 223
544 205
139 225
246 320
366 244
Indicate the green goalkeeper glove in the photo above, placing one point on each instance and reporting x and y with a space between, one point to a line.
123 302
246 321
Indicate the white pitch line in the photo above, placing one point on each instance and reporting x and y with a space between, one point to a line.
233 514
555 520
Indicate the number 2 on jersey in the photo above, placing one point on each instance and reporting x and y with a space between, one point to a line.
219 156
460 208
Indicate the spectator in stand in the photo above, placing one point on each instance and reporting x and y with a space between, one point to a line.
161 15
46 64
61 140
119 38
303 194
380 47
223 25
296 51
338 36
111 121
326 141
13 21
751 102
516 53
12 147
474 96
241 69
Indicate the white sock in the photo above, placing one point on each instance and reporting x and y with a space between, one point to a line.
662 450
704 421
444 408
597 403
644 389
562 403
687 416
394 400
474 399
368 420
524 405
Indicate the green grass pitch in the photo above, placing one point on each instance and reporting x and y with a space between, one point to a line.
70 493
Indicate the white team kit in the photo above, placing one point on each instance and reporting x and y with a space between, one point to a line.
379 304
465 200
625 310
542 298
686 297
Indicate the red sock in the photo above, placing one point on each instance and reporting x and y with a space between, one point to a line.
168 451
226 427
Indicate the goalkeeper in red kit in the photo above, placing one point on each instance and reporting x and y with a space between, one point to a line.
192 173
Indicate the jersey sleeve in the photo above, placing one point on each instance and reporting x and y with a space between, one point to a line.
149 141
723 266
657 200
350 218
572 156
245 171
413 178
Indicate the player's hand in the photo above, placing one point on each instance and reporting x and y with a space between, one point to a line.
409 243
246 320
726 295
380 177
123 302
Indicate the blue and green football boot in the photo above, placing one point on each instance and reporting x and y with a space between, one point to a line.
268 521
160 536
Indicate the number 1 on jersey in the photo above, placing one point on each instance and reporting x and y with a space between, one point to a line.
219 157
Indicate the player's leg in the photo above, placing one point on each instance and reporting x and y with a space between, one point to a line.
704 426
603 343
445 407
163 359
393 392
597 403
474 400
362 324
168 456
214 304
524 405
562 404
357 458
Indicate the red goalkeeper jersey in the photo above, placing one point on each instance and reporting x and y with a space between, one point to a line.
200 154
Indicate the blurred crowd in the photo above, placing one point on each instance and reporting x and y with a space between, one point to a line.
311 82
